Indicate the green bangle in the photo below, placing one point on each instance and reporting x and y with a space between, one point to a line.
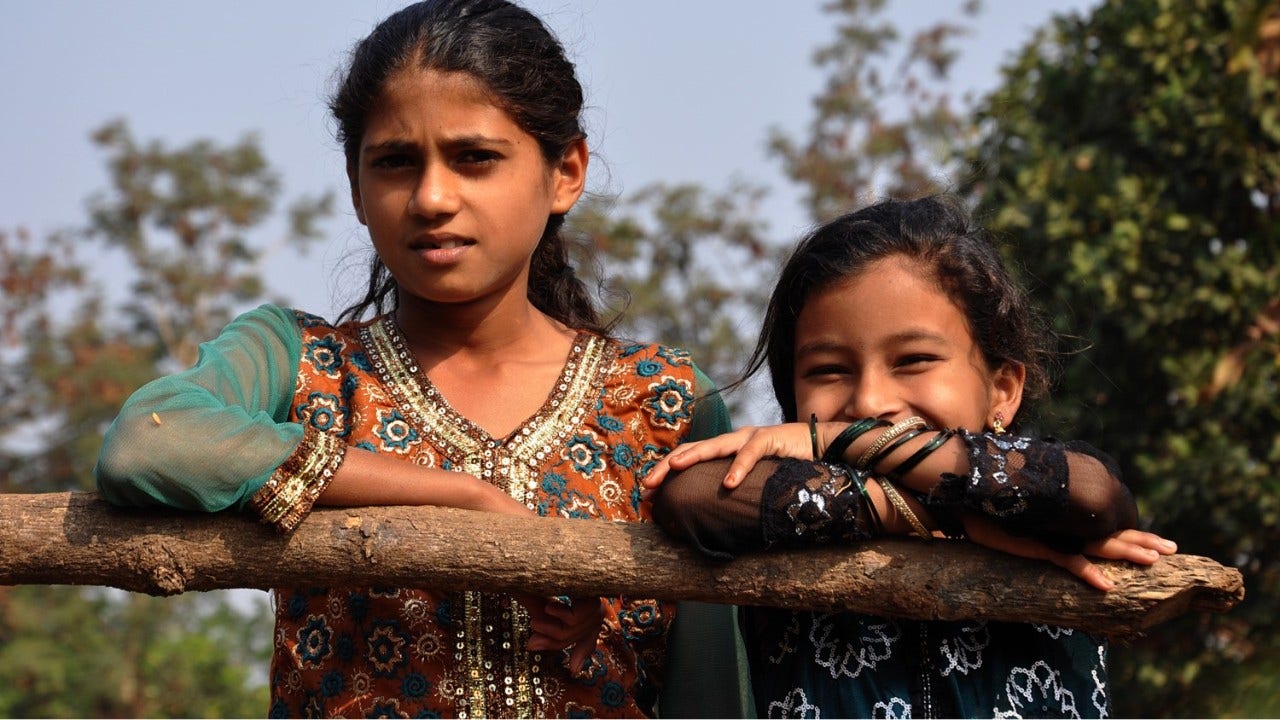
888 450
916 458
813 435
835 451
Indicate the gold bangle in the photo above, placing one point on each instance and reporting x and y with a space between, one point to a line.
895 499
897 429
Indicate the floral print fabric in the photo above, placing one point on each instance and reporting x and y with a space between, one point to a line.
396 652
833 665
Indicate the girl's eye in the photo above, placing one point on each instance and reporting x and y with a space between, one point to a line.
917 361
393 161
476 157
825 371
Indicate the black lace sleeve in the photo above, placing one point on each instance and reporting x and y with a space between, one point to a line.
781 503
1065 493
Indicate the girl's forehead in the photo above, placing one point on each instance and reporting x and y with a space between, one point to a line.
882 300
454 103
891 274
454 84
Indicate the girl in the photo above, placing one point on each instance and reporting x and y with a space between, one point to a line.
484 381
899 334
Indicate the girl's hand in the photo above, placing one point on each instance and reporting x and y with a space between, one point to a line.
749 444
557 625
491 498
1135 546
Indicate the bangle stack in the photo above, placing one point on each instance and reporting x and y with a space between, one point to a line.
872 456
895 436
835 451
918 456
855 478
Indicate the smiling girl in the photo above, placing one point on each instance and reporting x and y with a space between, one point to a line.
898 333
483 380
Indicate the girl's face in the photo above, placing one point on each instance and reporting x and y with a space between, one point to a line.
888 343
455 194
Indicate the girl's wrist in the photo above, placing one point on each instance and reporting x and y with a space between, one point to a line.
895 522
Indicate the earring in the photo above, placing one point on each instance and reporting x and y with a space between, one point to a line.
998 424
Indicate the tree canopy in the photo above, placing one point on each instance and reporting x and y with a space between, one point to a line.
1132 160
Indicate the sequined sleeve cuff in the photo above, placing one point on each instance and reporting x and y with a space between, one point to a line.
292 489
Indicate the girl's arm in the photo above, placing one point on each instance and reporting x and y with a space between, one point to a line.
1058 491
780 502
218 436
210 437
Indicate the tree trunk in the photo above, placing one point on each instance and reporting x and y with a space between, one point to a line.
78 539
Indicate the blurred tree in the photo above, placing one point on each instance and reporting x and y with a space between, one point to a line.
685 266
885 124
90 652
171 229
1134 157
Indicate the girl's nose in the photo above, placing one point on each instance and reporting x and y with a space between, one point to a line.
436 194
873 396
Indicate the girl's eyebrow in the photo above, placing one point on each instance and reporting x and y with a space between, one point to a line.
898 338
819 346
387 146
916 334
476 139
462 141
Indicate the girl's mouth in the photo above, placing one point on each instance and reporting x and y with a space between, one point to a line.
441 249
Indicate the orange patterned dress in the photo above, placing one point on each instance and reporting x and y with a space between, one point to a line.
397 652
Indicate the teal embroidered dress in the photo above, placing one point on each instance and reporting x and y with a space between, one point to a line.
265 418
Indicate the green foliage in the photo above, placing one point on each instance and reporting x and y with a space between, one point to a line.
177 221
1134 158
86 652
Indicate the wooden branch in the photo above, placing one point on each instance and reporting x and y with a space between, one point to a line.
78 539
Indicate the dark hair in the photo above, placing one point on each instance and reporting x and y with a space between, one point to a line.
940 234
524 67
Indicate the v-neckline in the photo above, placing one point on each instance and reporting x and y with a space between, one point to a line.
437 398
425 407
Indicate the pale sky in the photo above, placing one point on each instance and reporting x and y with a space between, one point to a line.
679 90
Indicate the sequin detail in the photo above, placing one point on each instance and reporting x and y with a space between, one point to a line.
351 651
292 489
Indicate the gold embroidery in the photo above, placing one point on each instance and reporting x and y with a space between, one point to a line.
292 489
499 676
518 459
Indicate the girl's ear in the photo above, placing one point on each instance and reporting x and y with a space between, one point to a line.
1006 393
570 177
353 179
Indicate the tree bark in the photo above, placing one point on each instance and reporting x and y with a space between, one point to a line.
79 539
